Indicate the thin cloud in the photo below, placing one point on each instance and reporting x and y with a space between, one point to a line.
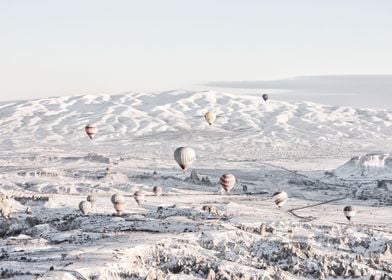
382 84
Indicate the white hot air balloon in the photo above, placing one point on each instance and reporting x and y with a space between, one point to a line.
85 207
210 117
118 201
184 156
227 182
280 198
157 190
91 130
92 198
138 196
118 198
349 212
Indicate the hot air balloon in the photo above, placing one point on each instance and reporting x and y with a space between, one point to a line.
280 198
85 207
157 190
349 212
265 97
184 156
92 198
210 117
117 198
227 182
91 130
139 197
118 203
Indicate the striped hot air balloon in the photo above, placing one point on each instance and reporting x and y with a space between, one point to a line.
349 212
91 130
184 156
138 196
227 182
157 190
280 198
210 117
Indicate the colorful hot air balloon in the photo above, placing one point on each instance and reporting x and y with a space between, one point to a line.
280 198
227 182
157 190
91 130
184 156
138 196
85 207
349 212
265 97
210 117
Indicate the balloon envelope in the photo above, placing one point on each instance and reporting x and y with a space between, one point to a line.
85 207
210 117
280 198
117 198
184 156
349 212
92 198
91 130
227 182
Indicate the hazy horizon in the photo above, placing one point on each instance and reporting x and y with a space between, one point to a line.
105 47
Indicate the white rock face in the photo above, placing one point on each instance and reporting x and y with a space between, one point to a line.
372 165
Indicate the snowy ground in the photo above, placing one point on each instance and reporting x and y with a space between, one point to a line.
193 231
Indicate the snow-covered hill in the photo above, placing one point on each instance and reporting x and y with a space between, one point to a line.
246 127
373 165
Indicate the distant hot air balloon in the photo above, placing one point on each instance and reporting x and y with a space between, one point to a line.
227 182
138 196
157 190
92 198
210 117
280 198
184 156
265 97
118 201
85 207
349 212
117 198
91 130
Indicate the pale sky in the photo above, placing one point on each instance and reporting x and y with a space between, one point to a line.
53 47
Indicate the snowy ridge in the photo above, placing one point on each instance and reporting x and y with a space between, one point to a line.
243 120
